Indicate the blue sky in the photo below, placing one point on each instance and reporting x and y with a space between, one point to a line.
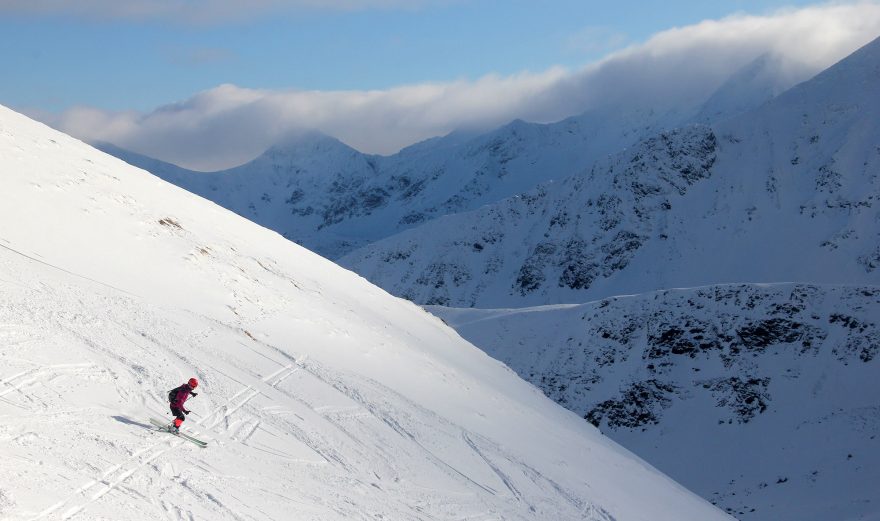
53 59
208 84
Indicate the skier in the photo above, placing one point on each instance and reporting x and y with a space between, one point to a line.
177 396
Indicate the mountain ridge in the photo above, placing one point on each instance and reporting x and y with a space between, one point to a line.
811 182
335 205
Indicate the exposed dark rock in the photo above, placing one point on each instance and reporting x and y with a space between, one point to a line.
757 336
640 404
746 397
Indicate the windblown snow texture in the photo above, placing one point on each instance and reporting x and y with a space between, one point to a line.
322 397
763 399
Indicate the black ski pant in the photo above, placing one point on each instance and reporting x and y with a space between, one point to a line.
178 413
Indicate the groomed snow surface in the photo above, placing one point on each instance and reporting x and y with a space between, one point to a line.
321 397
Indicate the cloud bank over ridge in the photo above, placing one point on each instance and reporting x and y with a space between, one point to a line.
229 124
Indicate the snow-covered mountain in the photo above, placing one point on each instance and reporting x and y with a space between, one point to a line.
332 199
271 190
322 397
786 192
709 384
763 79
763 399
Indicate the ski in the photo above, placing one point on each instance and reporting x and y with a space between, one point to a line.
164 427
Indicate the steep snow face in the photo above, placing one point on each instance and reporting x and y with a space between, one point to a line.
763 399
321 396
690 207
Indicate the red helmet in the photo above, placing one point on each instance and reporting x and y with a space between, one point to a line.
193 383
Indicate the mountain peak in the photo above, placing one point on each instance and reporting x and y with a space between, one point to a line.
853 80
754 84
309 142
309 150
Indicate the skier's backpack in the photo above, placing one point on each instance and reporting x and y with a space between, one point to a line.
172 394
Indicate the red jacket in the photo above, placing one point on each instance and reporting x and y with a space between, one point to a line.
180 396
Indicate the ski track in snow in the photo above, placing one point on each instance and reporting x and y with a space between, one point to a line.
216 421
17 383
114 476
219 422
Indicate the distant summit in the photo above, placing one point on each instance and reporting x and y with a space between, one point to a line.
306 145
758 82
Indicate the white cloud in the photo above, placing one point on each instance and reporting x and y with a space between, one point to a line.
229 125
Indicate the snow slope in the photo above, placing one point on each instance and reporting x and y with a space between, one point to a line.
764 399
699 205
322 396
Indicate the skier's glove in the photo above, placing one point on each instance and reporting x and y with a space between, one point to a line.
194 394
186 412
